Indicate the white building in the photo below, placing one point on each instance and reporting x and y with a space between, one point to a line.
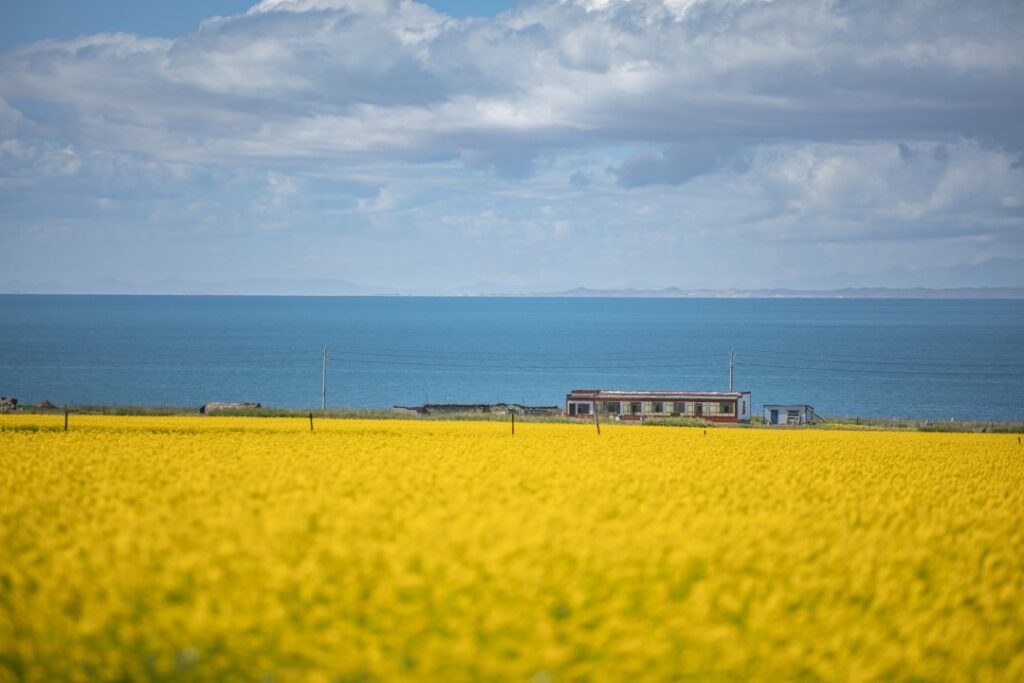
713 406
789 415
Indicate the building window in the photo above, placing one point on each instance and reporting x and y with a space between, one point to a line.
610 407
659 407
679 407
583 409
634 408
725 408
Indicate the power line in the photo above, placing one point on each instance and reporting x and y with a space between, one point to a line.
391 360
475 356
366 357
689 352
868 371
887 360
461 354
280 359
362 364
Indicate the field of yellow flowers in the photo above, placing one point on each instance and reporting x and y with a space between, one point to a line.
249 549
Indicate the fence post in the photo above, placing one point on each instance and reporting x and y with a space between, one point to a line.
65 417
513 422
311 422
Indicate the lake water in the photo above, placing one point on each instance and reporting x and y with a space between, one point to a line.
900 358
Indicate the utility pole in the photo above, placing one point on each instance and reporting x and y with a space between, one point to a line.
732 358
323 387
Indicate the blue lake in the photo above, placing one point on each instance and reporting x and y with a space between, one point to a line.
900 358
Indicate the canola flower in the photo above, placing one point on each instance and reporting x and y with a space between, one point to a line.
249 549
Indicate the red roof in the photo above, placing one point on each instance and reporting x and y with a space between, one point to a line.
620 395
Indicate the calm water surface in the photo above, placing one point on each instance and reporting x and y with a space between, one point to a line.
906 358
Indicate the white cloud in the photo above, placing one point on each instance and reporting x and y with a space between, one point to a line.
61 162
641 70
11 120
675 120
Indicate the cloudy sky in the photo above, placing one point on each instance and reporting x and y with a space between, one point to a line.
509 146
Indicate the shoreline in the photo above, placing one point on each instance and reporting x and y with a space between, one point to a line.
848 294
830 422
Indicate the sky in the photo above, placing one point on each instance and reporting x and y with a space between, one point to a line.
502 146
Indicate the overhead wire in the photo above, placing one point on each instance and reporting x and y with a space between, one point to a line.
888 360
694 359
875 371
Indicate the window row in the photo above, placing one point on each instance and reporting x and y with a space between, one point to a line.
682 408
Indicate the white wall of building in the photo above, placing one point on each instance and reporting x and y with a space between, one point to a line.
804 413
743 407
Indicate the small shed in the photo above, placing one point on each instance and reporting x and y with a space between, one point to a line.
495 408
217 406
789 414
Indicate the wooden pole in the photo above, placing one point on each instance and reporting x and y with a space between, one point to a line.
513 423
65 417
597 423
732 358
323 385
311 422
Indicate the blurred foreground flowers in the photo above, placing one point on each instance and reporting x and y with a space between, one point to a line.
249 549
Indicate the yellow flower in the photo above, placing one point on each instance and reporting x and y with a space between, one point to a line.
220 548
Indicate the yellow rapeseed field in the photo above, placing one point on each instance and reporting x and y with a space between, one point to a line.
249 549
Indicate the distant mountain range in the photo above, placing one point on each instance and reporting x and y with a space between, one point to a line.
846 293
253 286
329 288
998 278
994 272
